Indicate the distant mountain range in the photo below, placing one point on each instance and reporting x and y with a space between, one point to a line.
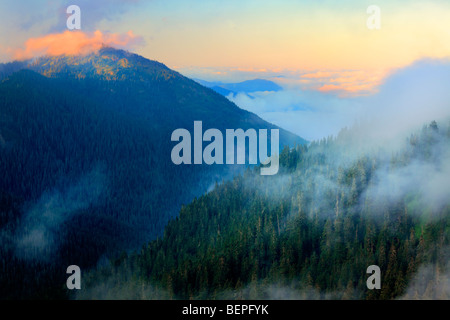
246 87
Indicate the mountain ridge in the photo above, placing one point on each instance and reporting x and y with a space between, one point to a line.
86 160
119 65
247 87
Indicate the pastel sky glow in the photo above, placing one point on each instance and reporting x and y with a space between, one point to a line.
294 35
323 46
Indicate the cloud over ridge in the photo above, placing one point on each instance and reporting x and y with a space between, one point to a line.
75 42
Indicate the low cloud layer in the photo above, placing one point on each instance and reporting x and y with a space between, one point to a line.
35 237
309 114
428 180
431 281
405 101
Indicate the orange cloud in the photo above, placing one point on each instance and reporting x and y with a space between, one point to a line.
330 87
353 82
74 42
348 88
318 75
346 82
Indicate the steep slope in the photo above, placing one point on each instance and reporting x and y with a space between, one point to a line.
151 87
309 233
85 160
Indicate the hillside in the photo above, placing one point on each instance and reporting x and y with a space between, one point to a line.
85 160
308 233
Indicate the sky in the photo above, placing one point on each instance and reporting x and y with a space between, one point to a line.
250 34
320 51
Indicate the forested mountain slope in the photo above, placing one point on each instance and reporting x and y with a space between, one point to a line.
309 232
85 160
